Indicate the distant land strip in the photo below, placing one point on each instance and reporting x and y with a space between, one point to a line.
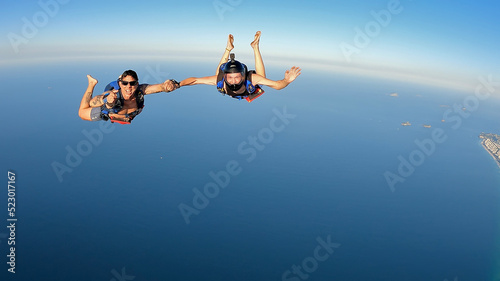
491 143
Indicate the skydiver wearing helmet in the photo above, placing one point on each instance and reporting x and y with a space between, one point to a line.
233 78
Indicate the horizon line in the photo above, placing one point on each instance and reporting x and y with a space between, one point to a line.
462 84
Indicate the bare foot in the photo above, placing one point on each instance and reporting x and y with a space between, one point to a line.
92 80
230 41
255 43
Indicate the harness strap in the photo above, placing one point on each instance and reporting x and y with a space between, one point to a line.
257 93
120 122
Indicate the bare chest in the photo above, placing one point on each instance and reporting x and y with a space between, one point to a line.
129 106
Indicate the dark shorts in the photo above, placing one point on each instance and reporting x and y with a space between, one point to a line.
95 114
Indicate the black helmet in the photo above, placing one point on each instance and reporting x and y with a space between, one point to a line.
234 66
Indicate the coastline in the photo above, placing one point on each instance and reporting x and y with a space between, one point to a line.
495 157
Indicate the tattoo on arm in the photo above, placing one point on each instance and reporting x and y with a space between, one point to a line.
96 101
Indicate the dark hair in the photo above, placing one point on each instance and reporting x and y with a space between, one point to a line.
129 73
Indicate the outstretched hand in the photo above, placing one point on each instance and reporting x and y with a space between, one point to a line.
170 85
292 73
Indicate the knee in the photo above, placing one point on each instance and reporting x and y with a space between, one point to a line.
84 115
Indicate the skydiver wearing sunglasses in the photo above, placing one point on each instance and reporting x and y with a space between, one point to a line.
123 99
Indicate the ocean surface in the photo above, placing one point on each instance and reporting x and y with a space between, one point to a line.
292 186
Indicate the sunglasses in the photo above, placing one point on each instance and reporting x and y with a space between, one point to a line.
132 83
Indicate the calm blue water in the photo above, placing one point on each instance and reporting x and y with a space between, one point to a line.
320 177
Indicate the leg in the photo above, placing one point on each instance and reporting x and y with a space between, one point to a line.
84 111
225 56
259 64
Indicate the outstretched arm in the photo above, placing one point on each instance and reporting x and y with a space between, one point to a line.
290 76
167 86
209 80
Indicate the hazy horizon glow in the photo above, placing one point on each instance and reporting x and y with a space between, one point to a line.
277 63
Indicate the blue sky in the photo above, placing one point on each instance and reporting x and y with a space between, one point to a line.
454 41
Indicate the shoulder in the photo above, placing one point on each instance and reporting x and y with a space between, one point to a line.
143 87
146 89
254 77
